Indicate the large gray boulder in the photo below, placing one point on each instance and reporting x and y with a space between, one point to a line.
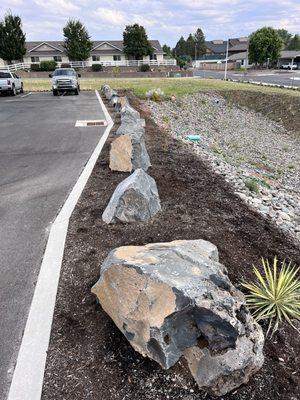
135 199
129 115
175 299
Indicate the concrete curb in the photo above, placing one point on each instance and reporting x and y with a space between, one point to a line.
27 382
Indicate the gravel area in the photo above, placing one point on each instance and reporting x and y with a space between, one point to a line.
258 156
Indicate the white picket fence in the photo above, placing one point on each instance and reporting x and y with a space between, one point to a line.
86 64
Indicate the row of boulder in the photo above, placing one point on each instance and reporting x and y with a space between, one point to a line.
172 300
136 198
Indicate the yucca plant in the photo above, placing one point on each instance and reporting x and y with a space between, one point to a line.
275 296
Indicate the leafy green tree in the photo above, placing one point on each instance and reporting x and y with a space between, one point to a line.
294 43
180 49
167 50
264 45
199 40
77 41
136 43
285 37
12 39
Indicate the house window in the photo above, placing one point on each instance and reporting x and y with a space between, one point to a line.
57 58
117 58
35 59
153 57
96 58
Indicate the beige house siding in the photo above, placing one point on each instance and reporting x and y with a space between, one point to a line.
107 52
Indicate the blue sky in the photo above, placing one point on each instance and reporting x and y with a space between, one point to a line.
163 20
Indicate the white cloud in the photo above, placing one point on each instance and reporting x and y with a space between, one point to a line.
113 17
60 7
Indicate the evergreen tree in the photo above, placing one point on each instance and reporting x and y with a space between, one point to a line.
180 49
77 41
264 44
190 46
12 39
199 39
136 43
294 43
167 50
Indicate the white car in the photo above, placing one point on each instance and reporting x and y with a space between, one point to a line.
10 83
289 66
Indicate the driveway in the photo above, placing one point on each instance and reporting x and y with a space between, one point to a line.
283 78
41 157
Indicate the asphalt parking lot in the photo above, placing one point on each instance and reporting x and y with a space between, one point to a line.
41 156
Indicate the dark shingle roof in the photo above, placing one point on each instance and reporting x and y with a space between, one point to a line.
115 43
216 48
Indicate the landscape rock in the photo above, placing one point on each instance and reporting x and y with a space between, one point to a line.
114 99
129 115
175 299
140 156
135 199
122 102
121 154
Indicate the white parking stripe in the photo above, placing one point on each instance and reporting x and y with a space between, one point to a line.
25 95
27 382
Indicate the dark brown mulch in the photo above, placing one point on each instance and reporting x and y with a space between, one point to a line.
88 357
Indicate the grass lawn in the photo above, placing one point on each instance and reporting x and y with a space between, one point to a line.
176 86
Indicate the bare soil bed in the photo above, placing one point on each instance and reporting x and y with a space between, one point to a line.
88 357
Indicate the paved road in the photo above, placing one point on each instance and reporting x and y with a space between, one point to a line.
41 157
287 78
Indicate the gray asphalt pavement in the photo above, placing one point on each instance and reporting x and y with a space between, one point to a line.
41 157
283 78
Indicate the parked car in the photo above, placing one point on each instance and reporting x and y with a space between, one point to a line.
65 80
10 83
289 66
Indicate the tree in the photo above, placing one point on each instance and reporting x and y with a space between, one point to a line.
285 37
167 50
12 39
136 43
264 46
180 48
77 41
199 40
190 46
294 43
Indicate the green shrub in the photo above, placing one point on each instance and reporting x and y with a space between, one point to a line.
252 185
275 297
145 68
97 67
116 71
34 67
47 65
155 95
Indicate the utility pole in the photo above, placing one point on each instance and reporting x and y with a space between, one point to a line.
225 72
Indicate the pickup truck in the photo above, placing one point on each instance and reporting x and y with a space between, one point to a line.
289 66
65 80
10 83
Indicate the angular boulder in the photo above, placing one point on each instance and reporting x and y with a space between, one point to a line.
121 154
175 299
122 102
140 156
135 199
129 115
